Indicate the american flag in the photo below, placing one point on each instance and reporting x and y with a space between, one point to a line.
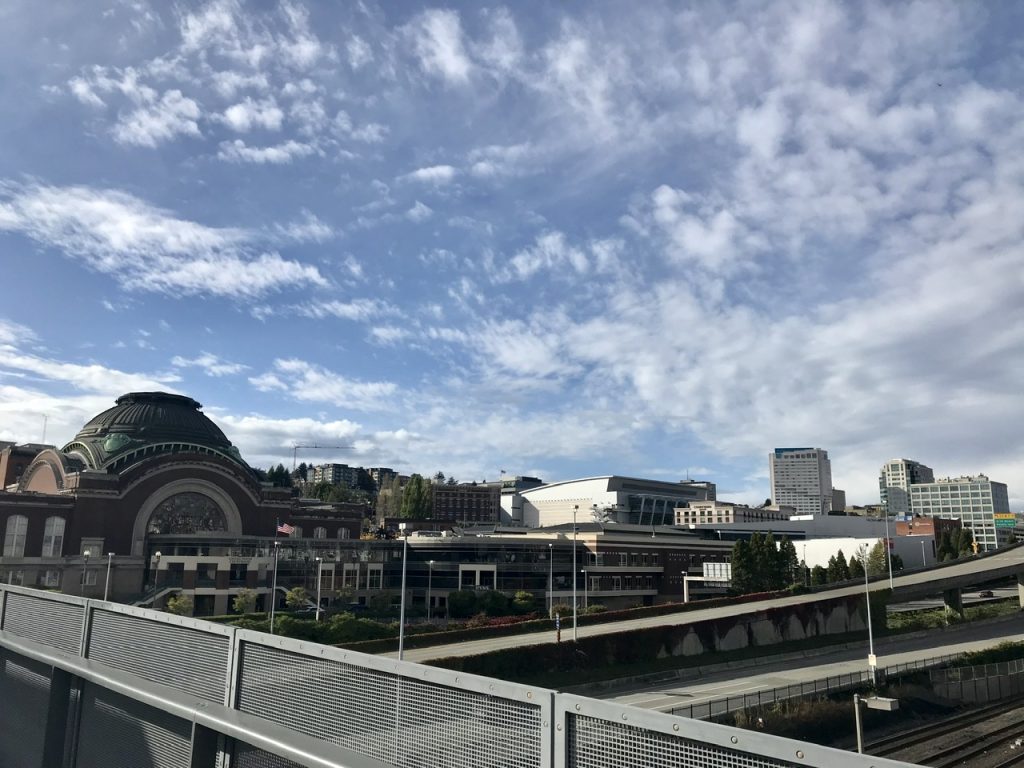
286 529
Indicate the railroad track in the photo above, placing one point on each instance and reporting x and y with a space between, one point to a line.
964 752
898 742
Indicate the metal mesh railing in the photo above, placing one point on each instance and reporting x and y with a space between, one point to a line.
977 672
810 688
54 622
391 717
167 691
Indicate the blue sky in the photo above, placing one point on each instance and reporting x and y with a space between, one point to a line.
565 239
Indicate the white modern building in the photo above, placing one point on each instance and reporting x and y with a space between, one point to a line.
894 481
801 478
612 499
725 513
979 503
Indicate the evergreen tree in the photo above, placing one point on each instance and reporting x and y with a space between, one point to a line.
790 565
947 550
417 499
856 568
965 541
742 567
303 471
819 576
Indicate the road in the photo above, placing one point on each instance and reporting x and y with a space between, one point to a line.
890 651
974 569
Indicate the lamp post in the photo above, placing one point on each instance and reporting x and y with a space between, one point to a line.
106 584
273 588
401 610
807 571
85 569
888 550
586 589
551 577
156 570
319 583
575 509
924 560
871 640
430 579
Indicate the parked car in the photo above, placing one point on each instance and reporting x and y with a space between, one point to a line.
986 593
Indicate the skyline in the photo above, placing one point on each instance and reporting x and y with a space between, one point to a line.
560 241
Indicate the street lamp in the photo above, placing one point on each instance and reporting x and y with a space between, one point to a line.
106 584
871 640
888 550
575 509
430 577
924 560
273 588
586 589
319 582
807 571
401 610
551 577
85 569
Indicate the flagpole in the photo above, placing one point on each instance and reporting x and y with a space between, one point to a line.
273 589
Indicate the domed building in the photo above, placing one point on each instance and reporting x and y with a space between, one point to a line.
153 488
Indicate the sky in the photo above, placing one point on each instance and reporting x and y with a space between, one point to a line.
550 239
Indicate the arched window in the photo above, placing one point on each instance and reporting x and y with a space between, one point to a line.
296 532
53 537
342 532
319 532
14 538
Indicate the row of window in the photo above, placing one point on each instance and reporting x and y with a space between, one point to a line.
318 533
17 531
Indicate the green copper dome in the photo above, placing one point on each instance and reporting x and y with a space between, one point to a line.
147 423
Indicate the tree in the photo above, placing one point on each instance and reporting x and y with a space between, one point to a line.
462 604
180 605
439 477
279 476
492 602
303 472
790 565
742 567
856 567
245 601
838 567
417 499
296 597
965 542
819 576
878 562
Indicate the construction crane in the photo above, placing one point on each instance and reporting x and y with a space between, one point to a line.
295 450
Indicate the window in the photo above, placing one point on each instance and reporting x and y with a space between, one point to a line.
53 537
50 578
17 578
14 539
343 533
622 558
617 583
319 532
351 578
296 532
89 578
373 581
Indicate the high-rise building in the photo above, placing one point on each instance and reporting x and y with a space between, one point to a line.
979 503
801 478
894 483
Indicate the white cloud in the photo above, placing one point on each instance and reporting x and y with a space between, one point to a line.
434 174
248 114
550 252
437 41
309 382
419 212
210 364
152 124
359 52
279 154
357 309
92 377
146 248
308 228
15 333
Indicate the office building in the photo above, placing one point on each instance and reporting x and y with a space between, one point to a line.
979 503
801 478
894 481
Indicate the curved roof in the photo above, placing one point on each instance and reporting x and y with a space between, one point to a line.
147 423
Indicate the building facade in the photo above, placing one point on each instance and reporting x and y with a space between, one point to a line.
336 474
894 481
611 499
724 513
466 503
801 478
978 502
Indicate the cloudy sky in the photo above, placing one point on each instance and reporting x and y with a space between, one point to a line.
557 239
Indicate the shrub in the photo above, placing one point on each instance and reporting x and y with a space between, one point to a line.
462 604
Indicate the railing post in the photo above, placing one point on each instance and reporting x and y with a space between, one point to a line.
204 747
57 718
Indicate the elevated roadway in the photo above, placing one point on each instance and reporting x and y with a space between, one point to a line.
947 579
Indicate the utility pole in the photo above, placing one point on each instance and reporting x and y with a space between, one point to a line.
295 450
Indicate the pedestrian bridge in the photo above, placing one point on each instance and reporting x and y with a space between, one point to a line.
90 684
